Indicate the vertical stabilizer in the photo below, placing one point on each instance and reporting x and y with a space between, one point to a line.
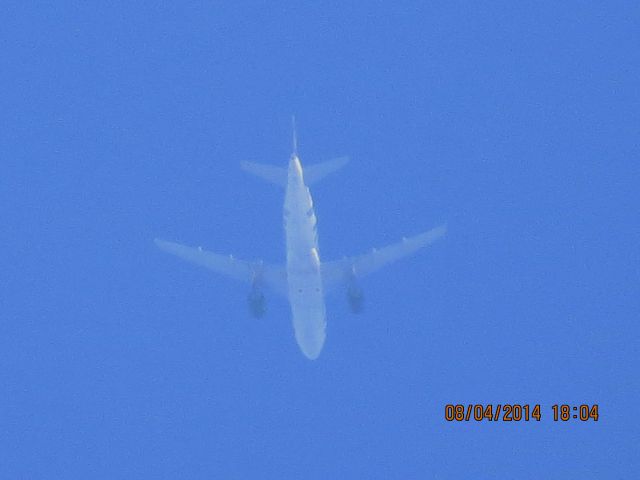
295 136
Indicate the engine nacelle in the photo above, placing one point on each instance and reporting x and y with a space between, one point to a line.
257 303
355 298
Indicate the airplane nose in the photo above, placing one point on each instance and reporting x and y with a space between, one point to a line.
311 350
310 335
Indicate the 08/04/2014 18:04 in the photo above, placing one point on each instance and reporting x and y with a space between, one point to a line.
513 412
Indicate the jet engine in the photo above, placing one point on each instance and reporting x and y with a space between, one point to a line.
257 302
355 298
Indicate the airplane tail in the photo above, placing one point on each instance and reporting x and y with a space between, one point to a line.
278 175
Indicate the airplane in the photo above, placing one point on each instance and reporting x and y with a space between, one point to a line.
304 279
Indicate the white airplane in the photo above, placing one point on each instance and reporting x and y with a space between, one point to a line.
304 280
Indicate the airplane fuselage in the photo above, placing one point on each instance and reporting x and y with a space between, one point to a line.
303 264
304 279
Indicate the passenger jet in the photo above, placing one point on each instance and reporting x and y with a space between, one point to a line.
304 280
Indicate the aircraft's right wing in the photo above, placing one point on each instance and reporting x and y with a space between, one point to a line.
273 277
338 272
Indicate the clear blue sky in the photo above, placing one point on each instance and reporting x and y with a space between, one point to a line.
517 123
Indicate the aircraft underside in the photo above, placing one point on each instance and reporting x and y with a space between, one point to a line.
304 280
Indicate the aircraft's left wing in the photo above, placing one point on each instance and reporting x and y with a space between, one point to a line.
272 276
339 272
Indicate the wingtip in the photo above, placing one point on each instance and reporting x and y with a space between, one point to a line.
430 235
160 243
438 232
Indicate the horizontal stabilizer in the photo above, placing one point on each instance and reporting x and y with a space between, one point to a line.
277 175
315 173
